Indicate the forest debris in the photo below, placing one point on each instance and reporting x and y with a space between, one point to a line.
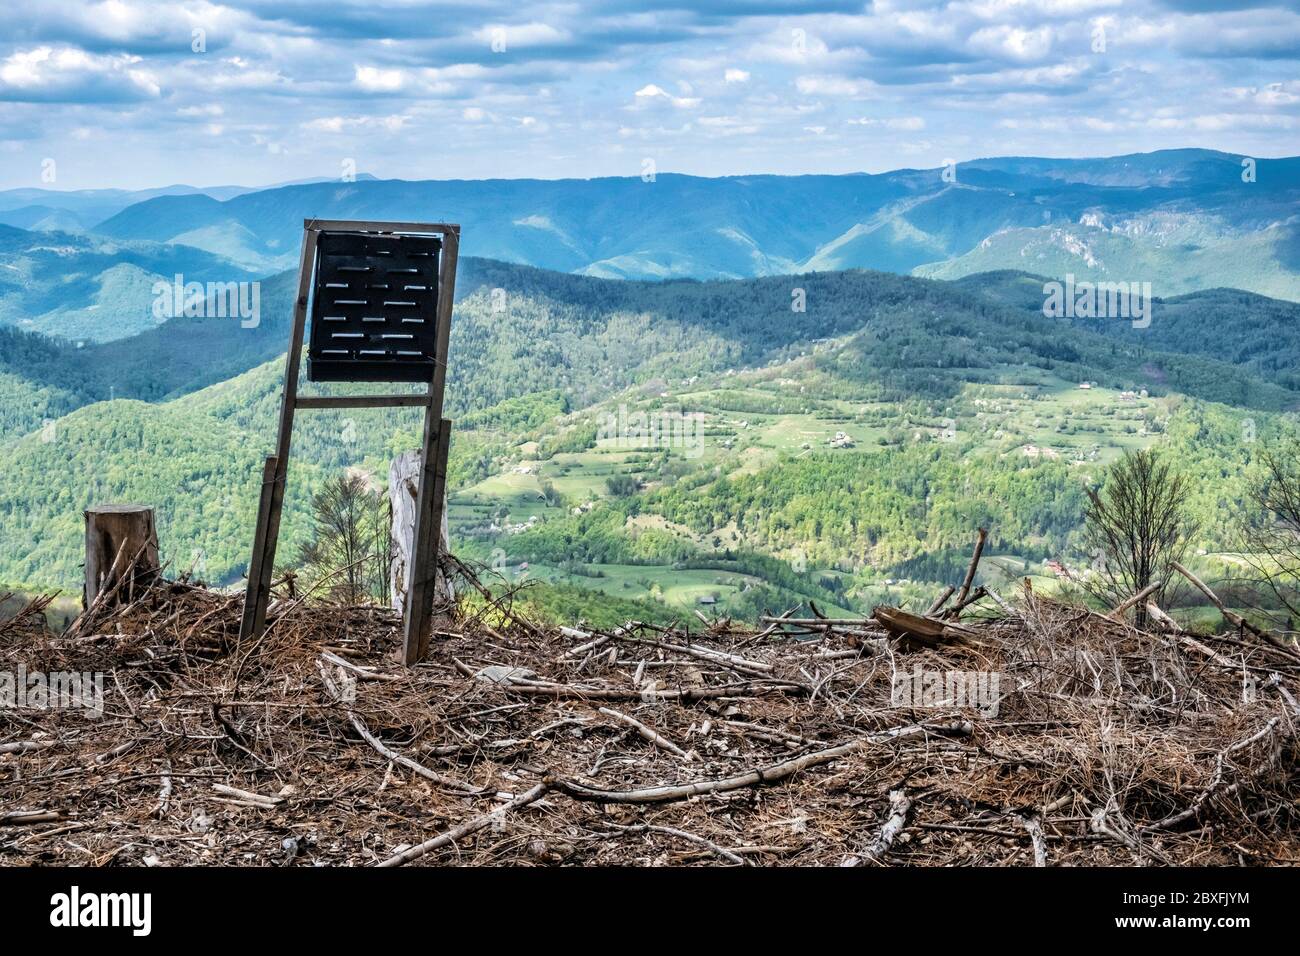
431 764
970 572
22 817
940 601
729 855
465 829
1034 827
922 630
1236 620
339 694
1118 613
499 674
758 777
1007 609
900 805
1162 619
659 740
22 746
246 795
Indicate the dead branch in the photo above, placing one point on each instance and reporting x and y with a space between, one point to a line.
974 564
466 828
759 777
899 807
660 741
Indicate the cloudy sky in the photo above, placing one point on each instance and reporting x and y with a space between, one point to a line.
139 93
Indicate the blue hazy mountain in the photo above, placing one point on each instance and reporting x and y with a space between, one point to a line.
1183 219
83 287
77 210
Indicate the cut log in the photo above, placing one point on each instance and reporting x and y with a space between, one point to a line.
403 493
121 550
921 630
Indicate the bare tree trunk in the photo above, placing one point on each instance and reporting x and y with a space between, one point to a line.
121 548
403 491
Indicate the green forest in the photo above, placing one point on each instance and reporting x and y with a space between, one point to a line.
957 405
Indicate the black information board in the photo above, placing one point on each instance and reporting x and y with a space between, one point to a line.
374 308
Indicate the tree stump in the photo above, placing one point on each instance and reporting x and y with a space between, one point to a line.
121 551
403 493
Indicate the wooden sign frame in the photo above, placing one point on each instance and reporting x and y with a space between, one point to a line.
433 452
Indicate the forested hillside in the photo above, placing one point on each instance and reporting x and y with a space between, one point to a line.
1251 331
843 451
89 288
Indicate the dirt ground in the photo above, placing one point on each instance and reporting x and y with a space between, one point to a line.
1081 741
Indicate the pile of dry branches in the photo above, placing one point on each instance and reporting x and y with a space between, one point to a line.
519 744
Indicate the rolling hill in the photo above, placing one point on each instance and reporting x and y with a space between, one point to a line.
843 451
956 409
1251 331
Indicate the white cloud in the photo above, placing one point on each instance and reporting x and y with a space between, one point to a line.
651 93
48 73
1175 73
340 124
374 80
841 86
727 125
456 71
1013 43
900 123
521 35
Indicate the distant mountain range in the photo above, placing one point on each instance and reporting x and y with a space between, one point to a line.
79 210
90 287
826 433
1183 220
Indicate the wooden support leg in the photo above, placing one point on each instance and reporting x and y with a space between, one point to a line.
428 522
272 539
277 467
253 591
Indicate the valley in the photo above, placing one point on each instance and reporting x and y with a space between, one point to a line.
832 435
842 454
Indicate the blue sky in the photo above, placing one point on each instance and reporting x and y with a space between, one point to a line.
139 93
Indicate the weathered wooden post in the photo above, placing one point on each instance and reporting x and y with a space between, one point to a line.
403 497
120 540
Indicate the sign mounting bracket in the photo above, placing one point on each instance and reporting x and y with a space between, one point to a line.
380 313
